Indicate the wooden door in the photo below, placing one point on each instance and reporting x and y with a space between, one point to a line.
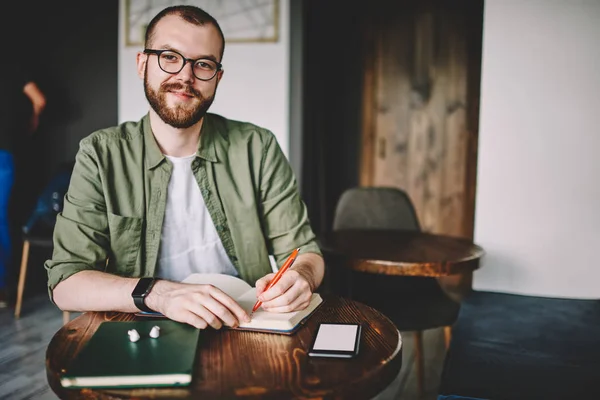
420 107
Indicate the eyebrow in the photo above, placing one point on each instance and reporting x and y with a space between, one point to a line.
202 57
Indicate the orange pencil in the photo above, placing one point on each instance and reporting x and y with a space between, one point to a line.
288 263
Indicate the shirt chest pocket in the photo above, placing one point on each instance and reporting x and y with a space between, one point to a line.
125 238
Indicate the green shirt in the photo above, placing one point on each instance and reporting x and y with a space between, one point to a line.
115 204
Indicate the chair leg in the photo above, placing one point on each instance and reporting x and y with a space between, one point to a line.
22 275
447 336
420 362
66 317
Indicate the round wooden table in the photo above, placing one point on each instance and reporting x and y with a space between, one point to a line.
395 252
234 364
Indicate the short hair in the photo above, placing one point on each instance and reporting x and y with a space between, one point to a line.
193 15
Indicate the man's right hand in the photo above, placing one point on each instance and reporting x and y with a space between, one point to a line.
197 305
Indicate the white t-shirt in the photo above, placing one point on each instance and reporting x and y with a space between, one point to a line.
189 241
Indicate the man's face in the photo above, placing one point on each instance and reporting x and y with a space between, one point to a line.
180 100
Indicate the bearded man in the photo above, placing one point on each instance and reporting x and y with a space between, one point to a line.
181 191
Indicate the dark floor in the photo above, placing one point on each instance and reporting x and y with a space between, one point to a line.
23 345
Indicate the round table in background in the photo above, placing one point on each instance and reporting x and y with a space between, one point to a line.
261 365
410 253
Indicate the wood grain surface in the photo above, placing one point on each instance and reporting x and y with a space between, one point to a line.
420 106
391 252
239 364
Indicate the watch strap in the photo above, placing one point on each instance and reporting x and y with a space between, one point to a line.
144 286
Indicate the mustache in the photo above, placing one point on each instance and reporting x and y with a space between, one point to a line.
178 86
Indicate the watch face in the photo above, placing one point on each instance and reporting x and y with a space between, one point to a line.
141 289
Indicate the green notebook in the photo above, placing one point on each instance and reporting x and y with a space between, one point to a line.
109 359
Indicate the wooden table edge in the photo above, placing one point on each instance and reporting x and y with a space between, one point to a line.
388 369
430 269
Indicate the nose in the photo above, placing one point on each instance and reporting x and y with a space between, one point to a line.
186 74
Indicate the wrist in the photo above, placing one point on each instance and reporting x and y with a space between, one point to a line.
155 298
306 272
141 290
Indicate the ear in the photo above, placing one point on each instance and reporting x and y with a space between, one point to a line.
141 60
219 76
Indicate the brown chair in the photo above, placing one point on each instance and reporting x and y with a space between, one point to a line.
39 228
412 303
40 236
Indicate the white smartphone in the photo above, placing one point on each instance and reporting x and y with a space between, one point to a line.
336 340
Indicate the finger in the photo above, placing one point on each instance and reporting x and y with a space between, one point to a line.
231 308
300 290
202 308
282 301
188 317
196 321
262 283
298 304
287 281
181 312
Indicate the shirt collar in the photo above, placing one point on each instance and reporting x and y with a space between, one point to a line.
211 142
209 135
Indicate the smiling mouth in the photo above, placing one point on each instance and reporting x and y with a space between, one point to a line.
182 94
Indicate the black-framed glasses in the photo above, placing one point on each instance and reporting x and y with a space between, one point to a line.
173 62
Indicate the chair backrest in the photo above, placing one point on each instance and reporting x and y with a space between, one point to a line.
375 208
50 201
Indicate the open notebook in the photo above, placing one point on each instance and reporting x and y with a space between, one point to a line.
245 295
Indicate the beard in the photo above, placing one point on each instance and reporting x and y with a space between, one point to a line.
181 115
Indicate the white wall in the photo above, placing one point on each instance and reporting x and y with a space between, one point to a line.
538 185
254 88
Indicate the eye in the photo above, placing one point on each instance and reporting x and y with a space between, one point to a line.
206 65
170 57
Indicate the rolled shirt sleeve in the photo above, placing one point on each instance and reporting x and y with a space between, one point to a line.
81 235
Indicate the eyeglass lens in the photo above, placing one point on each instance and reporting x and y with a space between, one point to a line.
172 62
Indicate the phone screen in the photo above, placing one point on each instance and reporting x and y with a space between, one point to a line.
336 340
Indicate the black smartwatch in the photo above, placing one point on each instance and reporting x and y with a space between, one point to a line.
143 287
